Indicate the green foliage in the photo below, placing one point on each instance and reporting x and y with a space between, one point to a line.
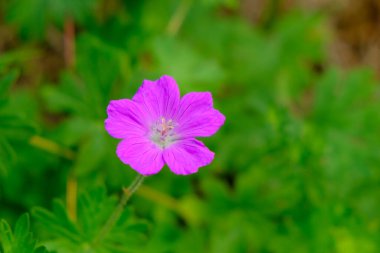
19 241
12 124
94 208
34 16
297 162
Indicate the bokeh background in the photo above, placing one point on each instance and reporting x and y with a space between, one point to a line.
297 165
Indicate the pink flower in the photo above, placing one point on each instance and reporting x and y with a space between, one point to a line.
159 127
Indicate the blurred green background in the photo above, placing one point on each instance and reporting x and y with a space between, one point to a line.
297 161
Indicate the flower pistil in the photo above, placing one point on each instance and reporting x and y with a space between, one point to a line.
163 133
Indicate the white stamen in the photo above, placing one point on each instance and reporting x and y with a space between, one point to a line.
163 133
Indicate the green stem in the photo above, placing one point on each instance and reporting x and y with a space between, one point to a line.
178 17
127 193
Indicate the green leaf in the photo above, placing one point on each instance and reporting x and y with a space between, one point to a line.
78 10
6 81
30 16
14 126
94 209
57 222
6 236
94 144
188 66
21 241
7 154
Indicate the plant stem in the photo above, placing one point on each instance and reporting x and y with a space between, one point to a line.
178 17
160 198
69 57
71 196
69 42
51 147
127 193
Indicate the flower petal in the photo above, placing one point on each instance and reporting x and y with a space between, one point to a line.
196 116
160 98
125 118
186 156
141 154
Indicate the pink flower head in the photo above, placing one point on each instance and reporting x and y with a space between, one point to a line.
159 127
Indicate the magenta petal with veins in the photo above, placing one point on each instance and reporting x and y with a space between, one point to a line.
159 127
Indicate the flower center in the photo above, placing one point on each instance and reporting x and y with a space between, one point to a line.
163 133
